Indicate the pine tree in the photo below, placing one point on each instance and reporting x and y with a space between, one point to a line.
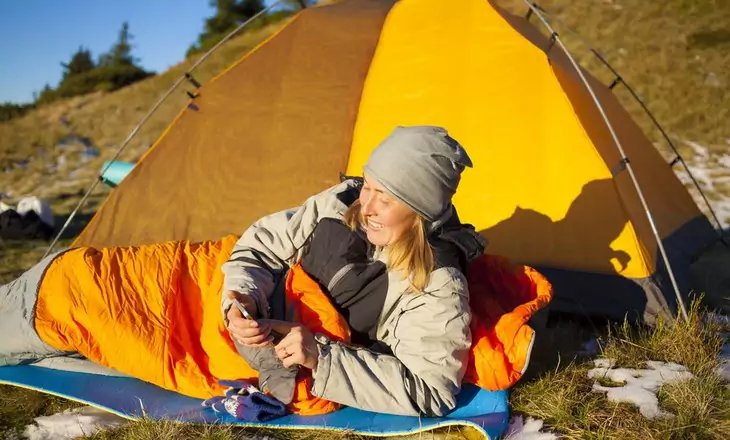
81 61
121 53
229 14
298 4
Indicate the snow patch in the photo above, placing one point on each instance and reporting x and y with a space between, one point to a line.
724 370
640 385
724 161
711 170
71 424
519 429
716 318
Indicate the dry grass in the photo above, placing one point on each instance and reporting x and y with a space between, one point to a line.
694 343
170 430
19 406
701 406
18 256
181 431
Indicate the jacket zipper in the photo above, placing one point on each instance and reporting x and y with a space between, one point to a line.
339 275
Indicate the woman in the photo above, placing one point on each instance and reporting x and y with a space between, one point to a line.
388 251
391 253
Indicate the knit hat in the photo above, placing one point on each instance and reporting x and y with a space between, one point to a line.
421 166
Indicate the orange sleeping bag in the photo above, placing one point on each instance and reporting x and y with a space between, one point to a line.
153 312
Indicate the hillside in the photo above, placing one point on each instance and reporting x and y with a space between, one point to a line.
675 54
56 151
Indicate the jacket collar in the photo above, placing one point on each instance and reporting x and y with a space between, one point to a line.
463 236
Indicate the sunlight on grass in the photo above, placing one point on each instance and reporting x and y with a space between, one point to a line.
701 406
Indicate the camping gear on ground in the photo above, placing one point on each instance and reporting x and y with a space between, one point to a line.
113 172
246 402
161 302
32 219
485 411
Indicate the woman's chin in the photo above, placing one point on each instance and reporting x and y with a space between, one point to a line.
376 238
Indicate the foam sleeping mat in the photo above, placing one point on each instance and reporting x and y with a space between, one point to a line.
134 399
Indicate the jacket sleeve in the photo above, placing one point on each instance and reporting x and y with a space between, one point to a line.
430 356
268 248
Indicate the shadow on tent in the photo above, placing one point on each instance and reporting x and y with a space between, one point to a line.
589 228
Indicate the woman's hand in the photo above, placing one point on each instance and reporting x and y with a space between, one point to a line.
297 347
246 331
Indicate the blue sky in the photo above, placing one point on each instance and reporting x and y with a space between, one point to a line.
37 35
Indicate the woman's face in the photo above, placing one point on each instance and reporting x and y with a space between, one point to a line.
386 218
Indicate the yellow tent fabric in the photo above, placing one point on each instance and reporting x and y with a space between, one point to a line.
319 96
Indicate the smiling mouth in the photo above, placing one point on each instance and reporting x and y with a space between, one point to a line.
375 226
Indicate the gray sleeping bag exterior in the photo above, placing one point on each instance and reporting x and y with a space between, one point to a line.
19 341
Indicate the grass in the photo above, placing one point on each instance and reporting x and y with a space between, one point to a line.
674 53
18 406
18 256
564 398
181 431
669 343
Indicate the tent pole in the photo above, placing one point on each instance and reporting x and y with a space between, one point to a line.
619 79
628 166
679 157
136 129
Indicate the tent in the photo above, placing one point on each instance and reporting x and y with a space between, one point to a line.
554 185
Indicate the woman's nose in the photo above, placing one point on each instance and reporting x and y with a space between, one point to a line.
366 206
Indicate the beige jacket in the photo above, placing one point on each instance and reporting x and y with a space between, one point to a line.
428 333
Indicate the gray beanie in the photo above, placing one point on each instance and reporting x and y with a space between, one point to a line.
421 166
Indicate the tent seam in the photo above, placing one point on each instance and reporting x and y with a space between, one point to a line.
364 84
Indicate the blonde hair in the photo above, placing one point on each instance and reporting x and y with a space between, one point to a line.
411 254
